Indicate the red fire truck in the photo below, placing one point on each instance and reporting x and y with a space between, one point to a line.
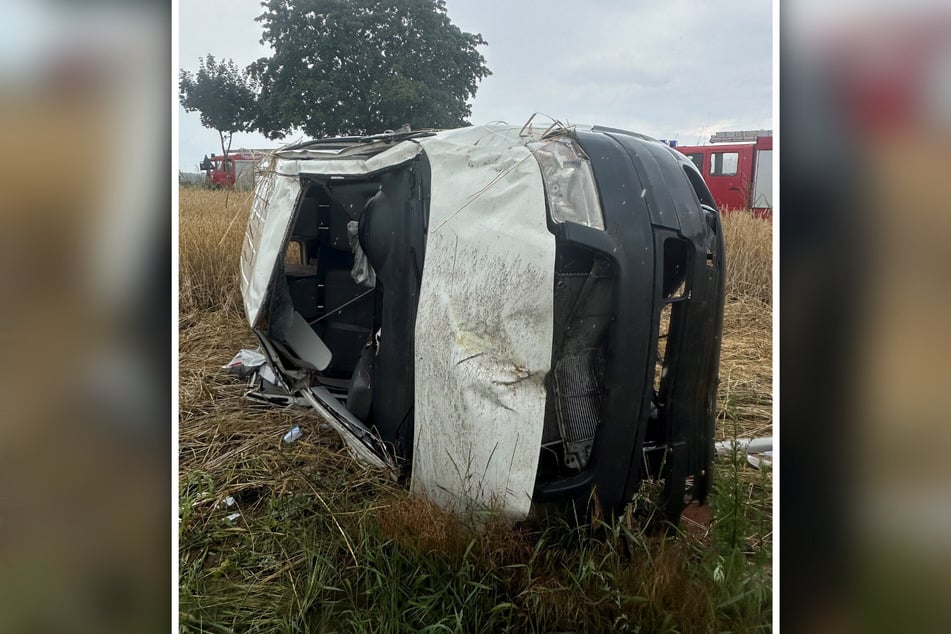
235 170
738 169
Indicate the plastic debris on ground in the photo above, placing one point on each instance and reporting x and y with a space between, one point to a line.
744 445
293 434
245 362
759 451
761 460
233 517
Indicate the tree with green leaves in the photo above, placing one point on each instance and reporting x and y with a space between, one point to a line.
356 67
224 95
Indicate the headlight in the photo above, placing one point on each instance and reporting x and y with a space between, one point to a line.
569 183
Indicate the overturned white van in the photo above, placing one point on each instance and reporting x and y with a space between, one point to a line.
508 318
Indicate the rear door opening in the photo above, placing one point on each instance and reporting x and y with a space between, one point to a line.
350 273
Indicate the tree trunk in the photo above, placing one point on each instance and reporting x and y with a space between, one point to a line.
225 149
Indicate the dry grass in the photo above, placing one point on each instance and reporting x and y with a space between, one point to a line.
749 256
211 228
746 380
323 542
746 370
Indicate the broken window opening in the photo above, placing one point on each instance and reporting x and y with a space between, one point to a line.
294 255
343 303
662 337
338 309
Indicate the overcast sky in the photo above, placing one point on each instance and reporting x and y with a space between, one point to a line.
675 69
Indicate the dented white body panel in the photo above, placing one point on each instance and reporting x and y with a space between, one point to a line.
484 324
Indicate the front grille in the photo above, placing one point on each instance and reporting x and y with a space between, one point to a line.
583 296
577 404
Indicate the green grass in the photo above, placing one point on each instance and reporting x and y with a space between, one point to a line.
318 556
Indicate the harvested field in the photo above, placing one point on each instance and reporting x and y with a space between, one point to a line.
324 544
746 368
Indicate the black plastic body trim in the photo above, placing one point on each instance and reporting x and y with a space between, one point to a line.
647 198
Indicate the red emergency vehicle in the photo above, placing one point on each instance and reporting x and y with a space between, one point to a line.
221 171
738 169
